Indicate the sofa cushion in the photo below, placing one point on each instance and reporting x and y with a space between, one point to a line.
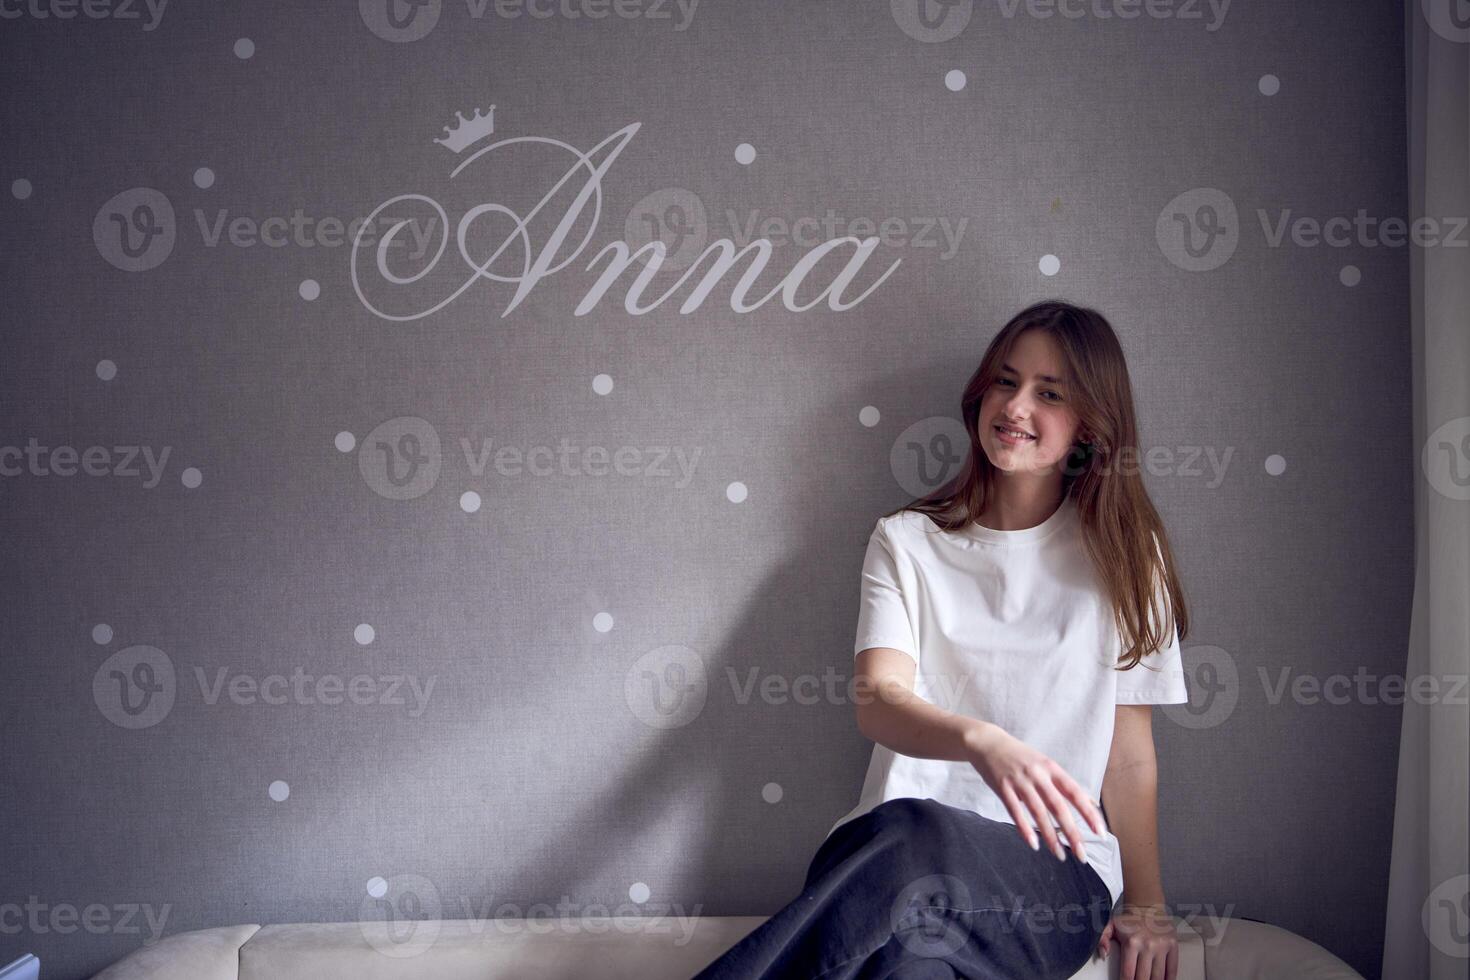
1244 949
204 954
620 948
614 948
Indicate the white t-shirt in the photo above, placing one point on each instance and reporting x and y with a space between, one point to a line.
1012 627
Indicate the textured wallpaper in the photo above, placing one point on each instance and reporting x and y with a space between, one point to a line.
439 439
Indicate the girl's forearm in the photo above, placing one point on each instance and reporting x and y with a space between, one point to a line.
1130 796
904 722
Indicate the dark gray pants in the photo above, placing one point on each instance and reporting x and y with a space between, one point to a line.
920 890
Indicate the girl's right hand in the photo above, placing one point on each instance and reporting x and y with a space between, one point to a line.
1024 778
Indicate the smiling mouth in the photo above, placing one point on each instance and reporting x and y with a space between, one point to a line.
1014 433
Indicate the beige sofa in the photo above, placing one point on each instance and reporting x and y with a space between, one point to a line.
615 948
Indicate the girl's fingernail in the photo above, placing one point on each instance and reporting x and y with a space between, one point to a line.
1035 845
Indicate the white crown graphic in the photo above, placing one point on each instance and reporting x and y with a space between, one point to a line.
467 131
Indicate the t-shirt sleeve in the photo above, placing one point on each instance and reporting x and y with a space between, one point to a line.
1164 683
883 619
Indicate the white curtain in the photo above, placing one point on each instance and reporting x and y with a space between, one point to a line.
1427 932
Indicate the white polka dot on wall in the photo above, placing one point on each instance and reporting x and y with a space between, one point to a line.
191 477
736 492
1275 464
1049 265
309 289
1350 275
602 384
954 79
469 502
345 441
106 370
868 416
772 792
102 634
364 634
279 790
602 622
745 154
20 188
1269 85
204 178
639 892
244 48
377 887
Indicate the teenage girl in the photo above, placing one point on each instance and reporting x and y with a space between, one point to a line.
1015 628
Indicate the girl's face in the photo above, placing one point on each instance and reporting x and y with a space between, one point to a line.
1031 394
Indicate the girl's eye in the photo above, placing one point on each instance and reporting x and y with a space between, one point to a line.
1054 395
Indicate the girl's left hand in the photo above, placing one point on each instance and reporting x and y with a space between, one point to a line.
1146 938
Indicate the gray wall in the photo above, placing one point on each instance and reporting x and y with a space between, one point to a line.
558 755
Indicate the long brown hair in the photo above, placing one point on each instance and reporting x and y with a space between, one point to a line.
1118 519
